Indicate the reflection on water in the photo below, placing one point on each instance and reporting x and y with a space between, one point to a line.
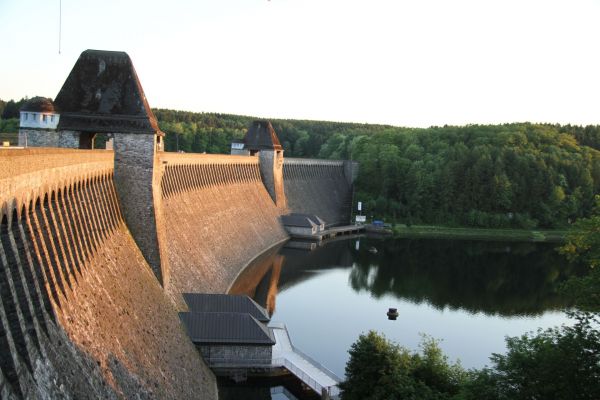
507 279
493 278
469 294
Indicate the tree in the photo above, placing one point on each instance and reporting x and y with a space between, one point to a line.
583 245
379 369
558 363
11 109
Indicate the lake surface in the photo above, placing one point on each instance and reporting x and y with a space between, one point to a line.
468 294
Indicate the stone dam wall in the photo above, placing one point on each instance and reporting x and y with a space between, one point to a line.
321 187
82 315
216 216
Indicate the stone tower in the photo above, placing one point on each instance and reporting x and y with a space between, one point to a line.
103 94
262 141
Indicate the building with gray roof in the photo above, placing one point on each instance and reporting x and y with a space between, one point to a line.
204 302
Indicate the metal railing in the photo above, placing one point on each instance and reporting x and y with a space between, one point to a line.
332 391
317 364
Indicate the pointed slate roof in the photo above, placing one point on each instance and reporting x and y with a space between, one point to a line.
225 328
204 302
103 94
261 136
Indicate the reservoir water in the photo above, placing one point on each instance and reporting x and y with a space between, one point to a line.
467 294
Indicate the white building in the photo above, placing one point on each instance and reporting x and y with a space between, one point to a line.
38 123
39 113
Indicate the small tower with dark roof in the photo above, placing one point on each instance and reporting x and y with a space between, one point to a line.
103 94
262 141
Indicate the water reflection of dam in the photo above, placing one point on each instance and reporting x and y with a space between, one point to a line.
284 267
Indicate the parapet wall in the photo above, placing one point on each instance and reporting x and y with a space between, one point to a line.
216 216
81 313
319 187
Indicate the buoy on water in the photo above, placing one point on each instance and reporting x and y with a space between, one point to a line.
392 314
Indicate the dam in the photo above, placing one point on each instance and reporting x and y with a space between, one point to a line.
98 246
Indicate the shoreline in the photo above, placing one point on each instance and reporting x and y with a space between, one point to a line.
442 232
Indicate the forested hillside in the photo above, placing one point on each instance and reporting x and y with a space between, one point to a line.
513 175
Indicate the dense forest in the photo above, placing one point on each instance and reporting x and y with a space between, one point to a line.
513 175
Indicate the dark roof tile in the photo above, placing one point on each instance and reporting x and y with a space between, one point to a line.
225 328
204 302
261 136
103 94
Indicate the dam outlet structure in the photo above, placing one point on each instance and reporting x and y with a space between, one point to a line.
98 246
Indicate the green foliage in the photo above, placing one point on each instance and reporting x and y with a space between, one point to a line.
583 246
583 243
11 108
9 125
514 175
200 132
380 369
558 363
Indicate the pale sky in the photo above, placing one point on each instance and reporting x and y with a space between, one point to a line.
408 63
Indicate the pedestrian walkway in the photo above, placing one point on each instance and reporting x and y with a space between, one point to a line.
313 374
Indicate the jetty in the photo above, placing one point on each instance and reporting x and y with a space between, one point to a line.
309 371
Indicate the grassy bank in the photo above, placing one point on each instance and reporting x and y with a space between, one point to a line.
441 232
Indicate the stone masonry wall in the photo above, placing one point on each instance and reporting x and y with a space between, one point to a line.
215 353
271 172
318 187
48 138
217 215
81 314
134 179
